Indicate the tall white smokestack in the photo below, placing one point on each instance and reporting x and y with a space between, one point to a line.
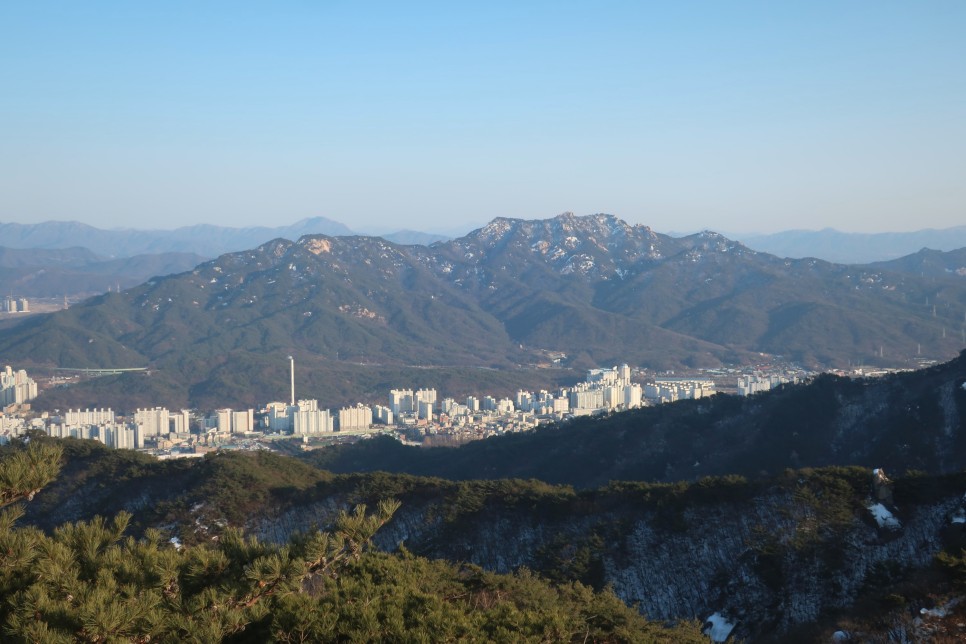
292 364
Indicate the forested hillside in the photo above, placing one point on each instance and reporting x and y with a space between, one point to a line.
87 581
780 558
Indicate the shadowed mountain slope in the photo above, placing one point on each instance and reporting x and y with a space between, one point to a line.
908 421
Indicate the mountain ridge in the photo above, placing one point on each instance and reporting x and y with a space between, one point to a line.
594 288
856 248
207 240
79 272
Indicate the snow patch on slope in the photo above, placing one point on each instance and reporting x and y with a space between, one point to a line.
883 517
718 628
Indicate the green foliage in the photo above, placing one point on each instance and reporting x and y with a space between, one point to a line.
87 581
827 499
472 496
670 500
26 468
390 598
579 558
237 483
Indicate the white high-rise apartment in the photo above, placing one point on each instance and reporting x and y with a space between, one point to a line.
243 422
401 401
180 422
358 417
153 422
312 422
16 387
89 417
425 395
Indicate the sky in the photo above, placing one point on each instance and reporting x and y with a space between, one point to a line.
730 116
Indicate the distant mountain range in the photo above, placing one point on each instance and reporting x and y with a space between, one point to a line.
79 272
410 237
203 239
70 259
855 248
506 296
210 240
929 263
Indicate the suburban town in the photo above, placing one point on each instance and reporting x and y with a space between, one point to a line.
415 416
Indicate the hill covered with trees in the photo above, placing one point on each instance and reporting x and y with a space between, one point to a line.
87 581
782 558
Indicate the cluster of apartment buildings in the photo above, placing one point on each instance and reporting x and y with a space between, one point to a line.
16 388
304 418
145 426
603 390
16 305
665 390
753 384
157 427
412 411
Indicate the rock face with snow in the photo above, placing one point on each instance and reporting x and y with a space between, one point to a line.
753 564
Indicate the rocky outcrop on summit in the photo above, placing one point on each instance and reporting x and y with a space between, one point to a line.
595 247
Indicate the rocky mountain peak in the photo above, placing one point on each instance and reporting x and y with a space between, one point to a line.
601 230
708 241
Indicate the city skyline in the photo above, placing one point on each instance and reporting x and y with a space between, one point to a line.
741 118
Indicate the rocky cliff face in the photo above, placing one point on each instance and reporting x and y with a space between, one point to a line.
767 563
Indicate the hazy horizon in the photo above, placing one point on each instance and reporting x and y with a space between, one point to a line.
750 118
458 231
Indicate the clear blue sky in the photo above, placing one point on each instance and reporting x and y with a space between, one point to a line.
734 116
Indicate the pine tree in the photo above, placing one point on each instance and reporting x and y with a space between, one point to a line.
26 468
